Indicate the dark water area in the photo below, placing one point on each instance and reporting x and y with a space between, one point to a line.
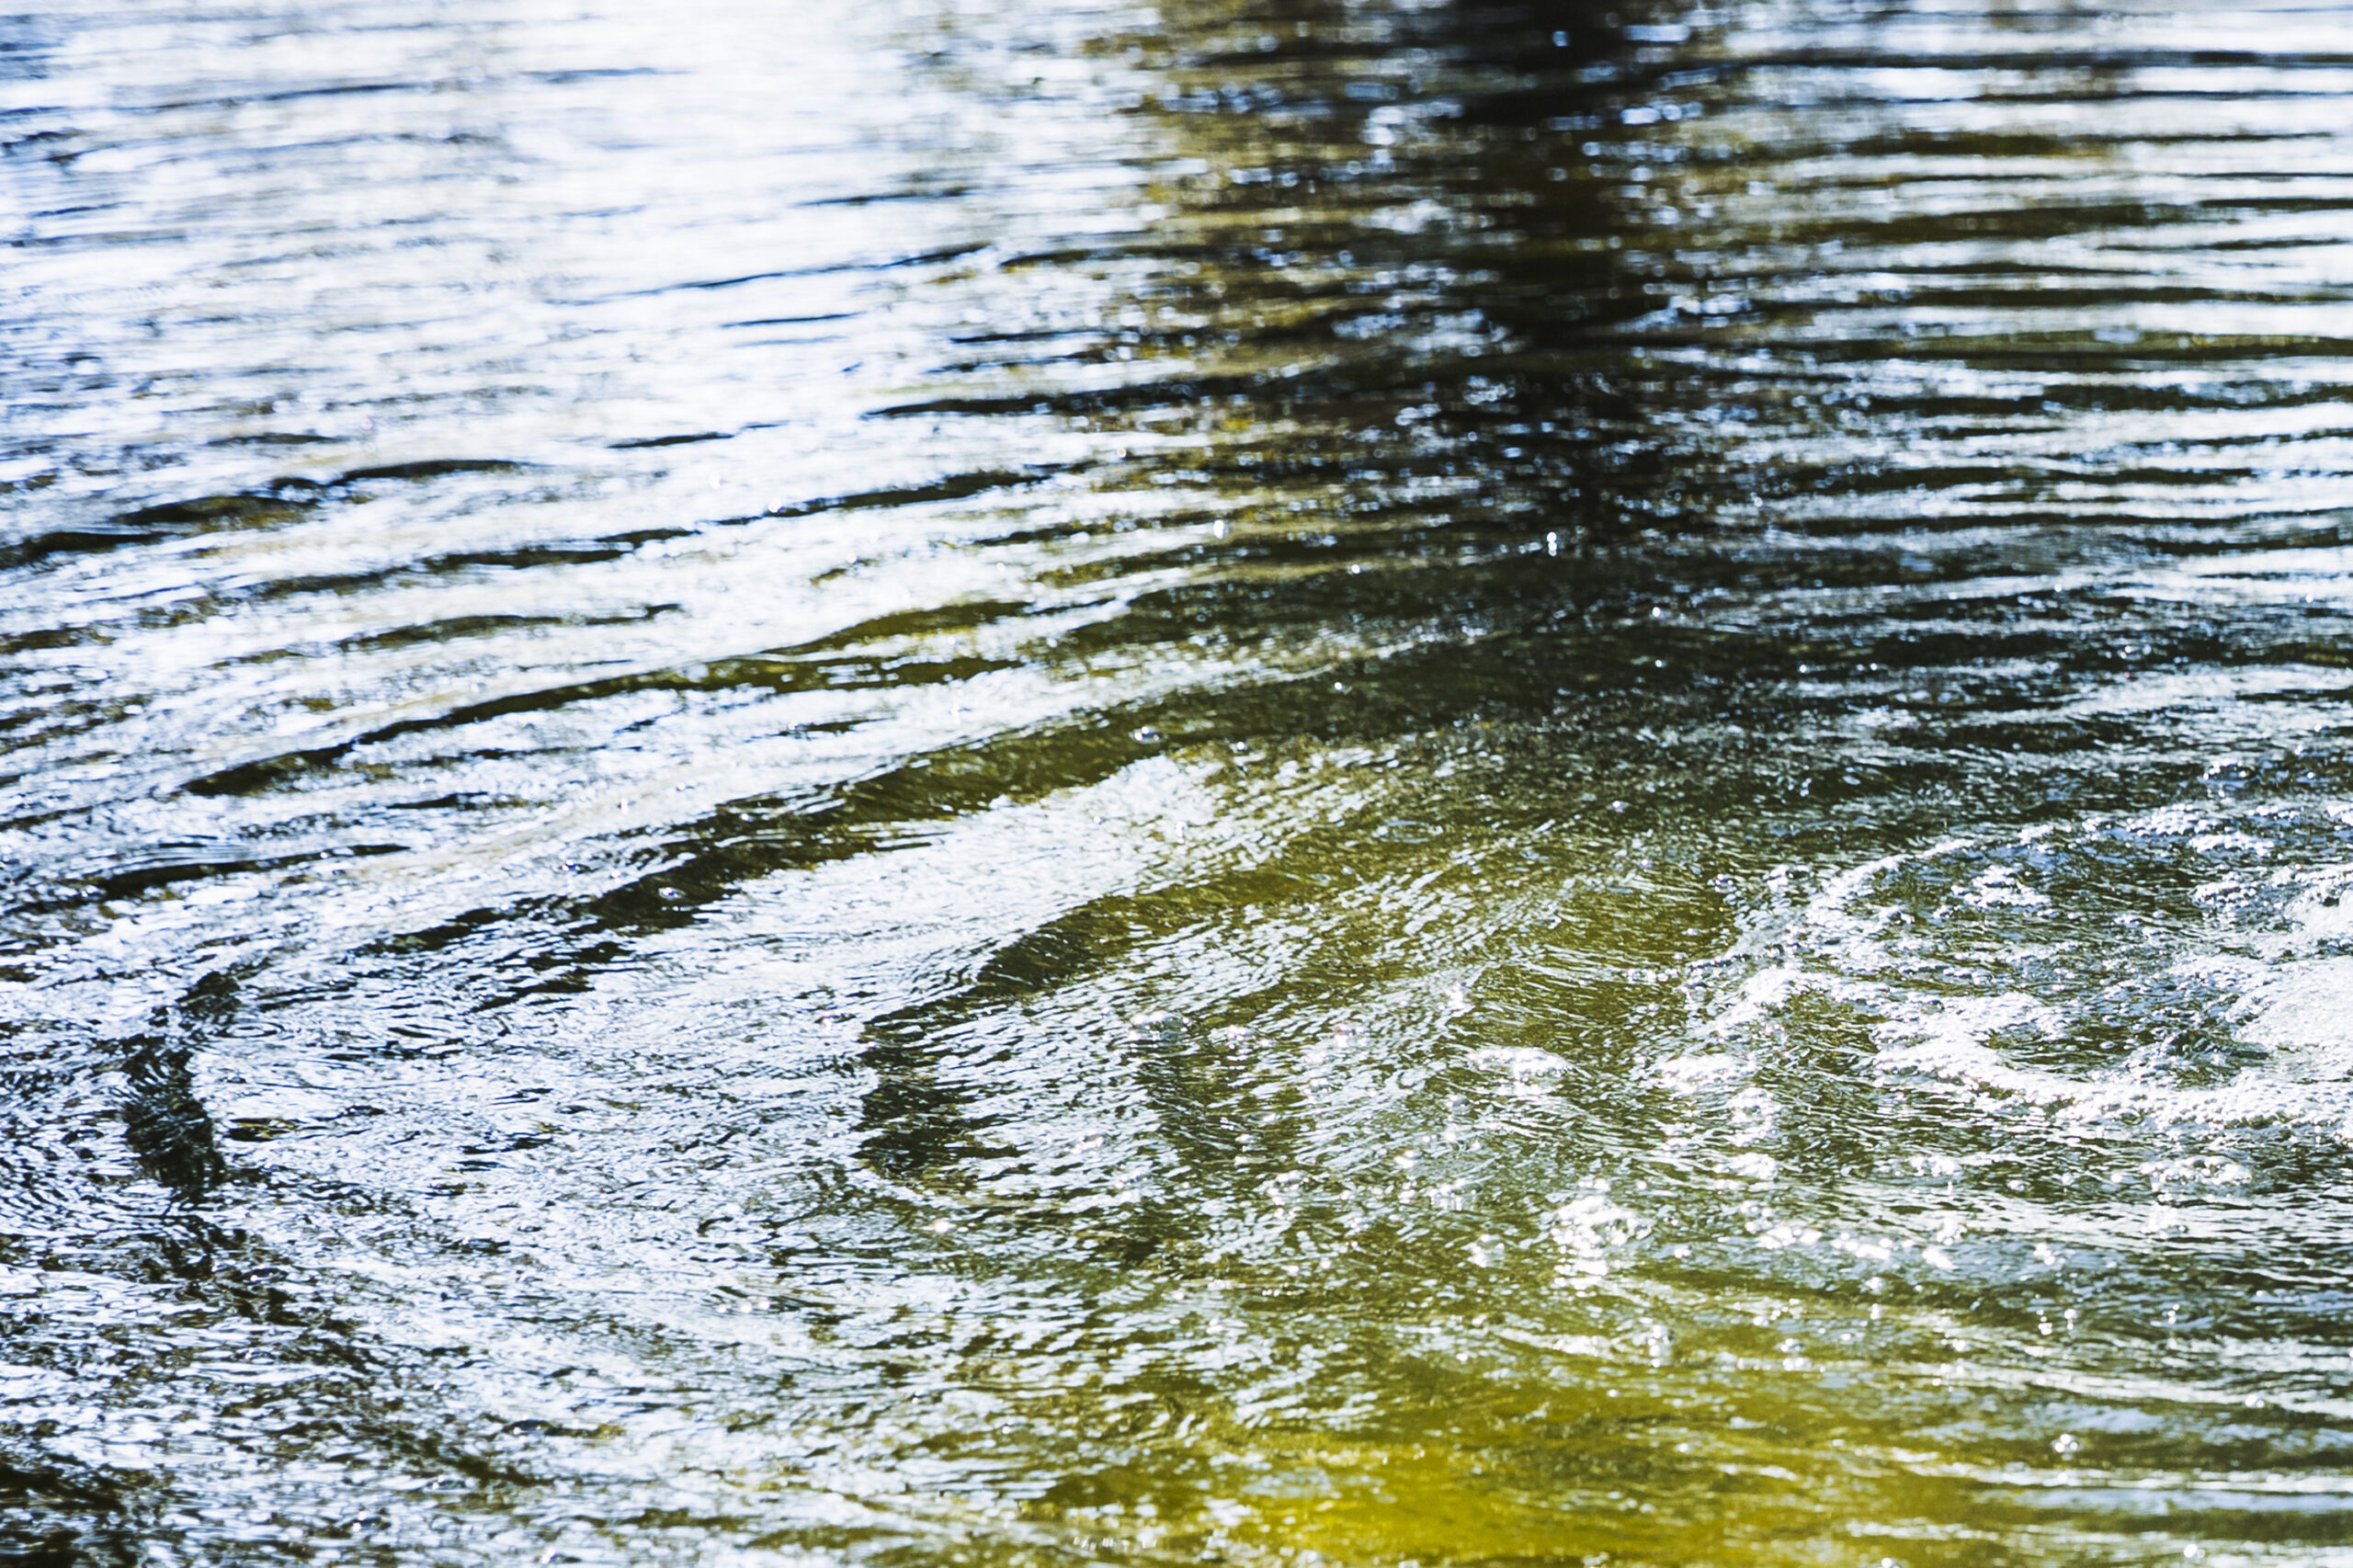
1249 781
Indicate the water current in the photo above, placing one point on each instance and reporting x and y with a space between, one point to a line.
1246 781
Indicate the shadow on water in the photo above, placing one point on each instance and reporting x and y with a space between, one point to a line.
1268 783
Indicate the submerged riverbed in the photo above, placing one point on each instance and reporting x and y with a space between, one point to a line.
1257 781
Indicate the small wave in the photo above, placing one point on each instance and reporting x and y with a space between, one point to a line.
2183 967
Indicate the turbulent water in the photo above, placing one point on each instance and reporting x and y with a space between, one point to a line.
1251 781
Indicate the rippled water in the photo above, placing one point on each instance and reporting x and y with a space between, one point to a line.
1222 781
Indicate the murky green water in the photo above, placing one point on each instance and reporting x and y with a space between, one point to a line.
1255 781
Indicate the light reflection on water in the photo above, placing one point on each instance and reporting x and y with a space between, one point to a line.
1296 782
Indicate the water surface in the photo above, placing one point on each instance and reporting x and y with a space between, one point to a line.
1258 781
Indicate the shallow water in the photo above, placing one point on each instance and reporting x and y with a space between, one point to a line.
915 783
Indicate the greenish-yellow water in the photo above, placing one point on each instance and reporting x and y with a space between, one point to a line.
1280 782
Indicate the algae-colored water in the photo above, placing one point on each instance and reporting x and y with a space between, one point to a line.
1253 781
